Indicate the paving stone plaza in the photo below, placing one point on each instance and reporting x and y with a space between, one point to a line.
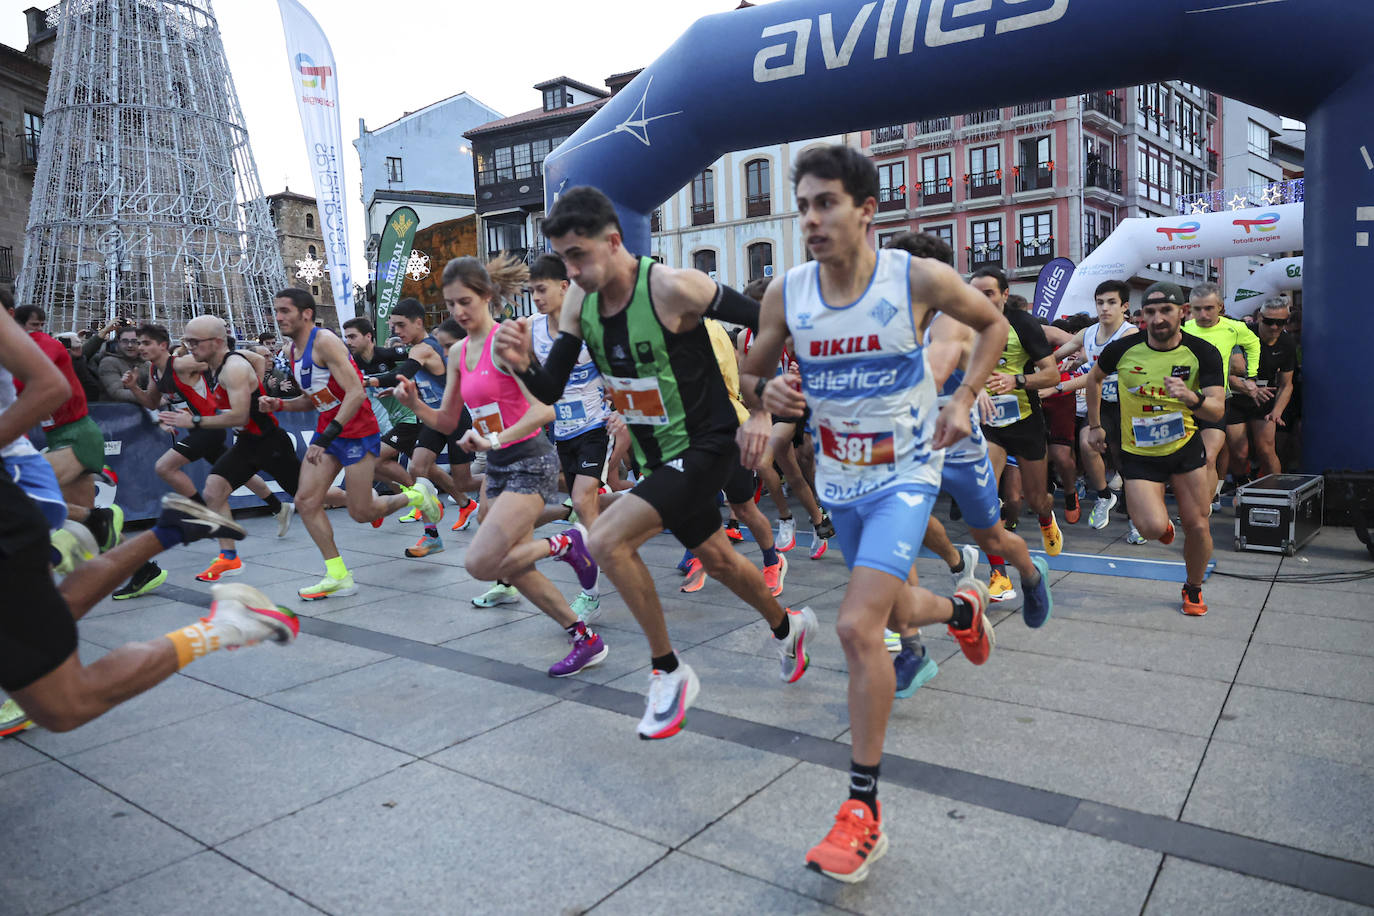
408 754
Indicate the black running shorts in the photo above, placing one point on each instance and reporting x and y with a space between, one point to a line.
250 454
1022 439
1159 468
198 444
584 455
456 453
740 486
37 633
402 437
683 490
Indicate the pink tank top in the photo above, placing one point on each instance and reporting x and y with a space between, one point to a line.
493 398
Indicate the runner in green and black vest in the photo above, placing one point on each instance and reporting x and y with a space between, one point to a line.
642 324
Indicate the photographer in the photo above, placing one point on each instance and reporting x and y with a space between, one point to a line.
125 359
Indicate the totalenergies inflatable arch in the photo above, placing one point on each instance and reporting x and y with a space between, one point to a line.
1278 276
797 69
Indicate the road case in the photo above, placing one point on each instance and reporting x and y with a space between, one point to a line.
1279 513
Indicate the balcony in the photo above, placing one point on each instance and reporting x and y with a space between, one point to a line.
985 184
938 191
1033 254
1212 162
985 116
1032 108
6 264
932 126
656 220
1107 104
1104 177
891 134
758 205
1035 177
1212 104
984 256
891 199
703 214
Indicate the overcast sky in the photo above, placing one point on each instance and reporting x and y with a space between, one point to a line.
396 56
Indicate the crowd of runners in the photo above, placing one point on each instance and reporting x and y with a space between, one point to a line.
858 386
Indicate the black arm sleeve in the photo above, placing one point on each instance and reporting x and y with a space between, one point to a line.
387 379
547 382
734 307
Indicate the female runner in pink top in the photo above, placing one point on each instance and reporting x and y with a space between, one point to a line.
522 469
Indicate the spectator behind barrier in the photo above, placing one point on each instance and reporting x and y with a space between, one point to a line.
125 358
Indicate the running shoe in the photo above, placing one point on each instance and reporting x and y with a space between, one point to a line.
1011 523
574 552
284 518
978 640
425 546
72 545
732 531
1073 510
695 577
430 508
999 586
774 575
1038 604
1115 483
588 650
912 670
106 525
1167 537
1134 536
892 640
787 534
1101 513
955 513
413 516
196 521
1193 605
819 548
792 654
685 563
240 615
852 845
1081 488
970 554
587 607
826 529
148 577
465 515
219 568
670 696
377 522
329 587
497 594
1052 536
13 719
572 512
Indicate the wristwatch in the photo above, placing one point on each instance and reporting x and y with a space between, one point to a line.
1059 387
195 419
494 439
1020 381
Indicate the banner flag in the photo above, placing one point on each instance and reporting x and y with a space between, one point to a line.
314 77
1050 288
392 257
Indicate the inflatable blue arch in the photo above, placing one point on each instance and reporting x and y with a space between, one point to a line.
797 69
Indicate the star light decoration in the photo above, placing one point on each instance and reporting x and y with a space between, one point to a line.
309 269
1272 194
1238 203
417 268
1199 208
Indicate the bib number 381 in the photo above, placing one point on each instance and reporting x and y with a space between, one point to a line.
862 449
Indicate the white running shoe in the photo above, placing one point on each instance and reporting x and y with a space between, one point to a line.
892 640
1134 537
241 615
670 696
587 607
787 534
1101 514
970 553
1115 483
430 507
802 627
497 594
329 587
284 518
75 544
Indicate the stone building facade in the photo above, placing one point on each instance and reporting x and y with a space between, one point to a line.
23 93
296 219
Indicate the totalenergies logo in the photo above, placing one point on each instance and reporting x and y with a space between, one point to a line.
1186 232
312 77
1265 222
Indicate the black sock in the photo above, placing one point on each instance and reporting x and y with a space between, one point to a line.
863 784
957 569
503 582
99 524
1104 493
196 497
273 504
1194 592
963 614
782 629
665 663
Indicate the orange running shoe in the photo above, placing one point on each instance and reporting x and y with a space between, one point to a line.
977 641
377 522
465 514
732 531
1193 605
696 576
1073 511
1168 538
852 845
773 576
220 568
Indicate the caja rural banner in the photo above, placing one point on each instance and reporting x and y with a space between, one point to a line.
392 257
314 78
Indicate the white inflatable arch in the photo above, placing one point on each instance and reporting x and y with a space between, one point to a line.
1278 276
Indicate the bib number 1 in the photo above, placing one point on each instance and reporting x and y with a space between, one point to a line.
638 400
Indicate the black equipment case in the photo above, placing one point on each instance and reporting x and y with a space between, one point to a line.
1279 513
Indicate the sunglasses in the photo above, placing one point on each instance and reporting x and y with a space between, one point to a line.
1275 322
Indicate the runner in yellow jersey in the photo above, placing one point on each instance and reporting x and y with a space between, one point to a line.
1207 321
1167 381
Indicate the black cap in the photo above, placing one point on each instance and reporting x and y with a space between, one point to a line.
1163 291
